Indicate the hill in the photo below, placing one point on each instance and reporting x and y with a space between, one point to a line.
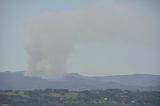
17 81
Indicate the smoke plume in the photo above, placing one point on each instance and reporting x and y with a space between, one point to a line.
54 36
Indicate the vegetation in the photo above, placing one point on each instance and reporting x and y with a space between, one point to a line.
64 97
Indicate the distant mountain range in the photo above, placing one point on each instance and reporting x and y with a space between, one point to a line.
17 81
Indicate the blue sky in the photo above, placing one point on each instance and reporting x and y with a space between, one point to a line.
15 20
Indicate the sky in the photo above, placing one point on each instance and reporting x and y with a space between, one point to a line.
48 38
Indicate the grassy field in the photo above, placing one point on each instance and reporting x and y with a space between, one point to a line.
64 97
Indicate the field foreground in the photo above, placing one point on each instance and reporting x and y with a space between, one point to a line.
64 97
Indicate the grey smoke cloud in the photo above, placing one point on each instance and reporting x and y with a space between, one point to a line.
51 43
54 36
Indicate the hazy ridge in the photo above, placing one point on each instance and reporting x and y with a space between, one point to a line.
74 81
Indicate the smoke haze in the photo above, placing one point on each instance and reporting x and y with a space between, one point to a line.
54 36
